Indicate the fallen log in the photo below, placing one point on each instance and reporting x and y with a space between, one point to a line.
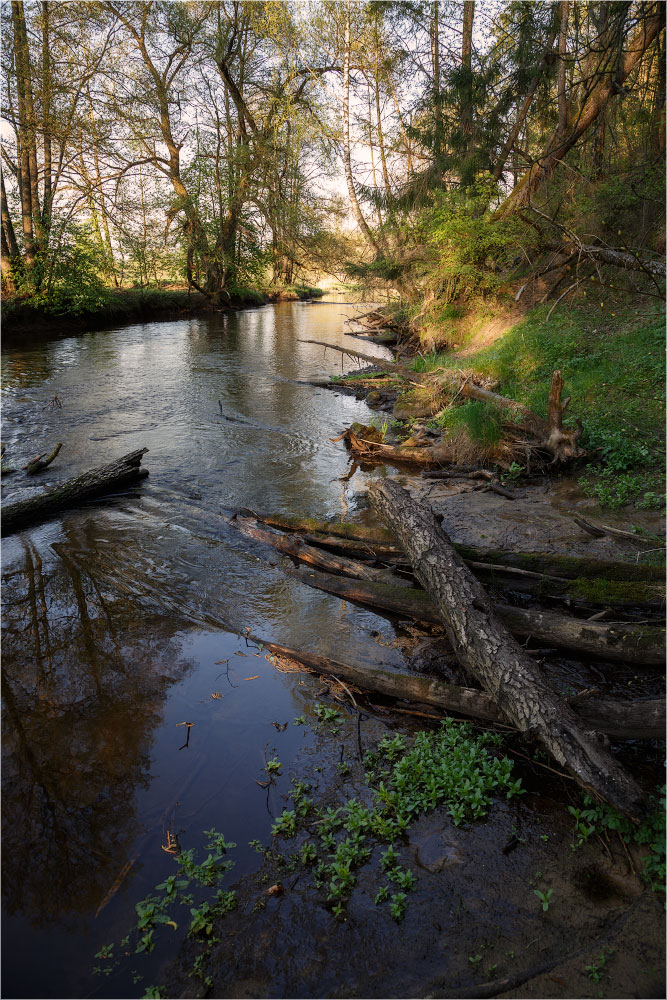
106 479
600 530
395 367
383 543
642 719
588 591
621 642
292 545
484 647
367 448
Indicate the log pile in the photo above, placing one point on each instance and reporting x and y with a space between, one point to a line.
413 571
532 440
485 648
527 438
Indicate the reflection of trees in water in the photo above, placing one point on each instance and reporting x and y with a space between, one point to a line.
84 674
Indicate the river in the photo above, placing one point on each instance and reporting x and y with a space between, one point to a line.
122 620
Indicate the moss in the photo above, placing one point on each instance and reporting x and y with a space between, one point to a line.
568 567
601 591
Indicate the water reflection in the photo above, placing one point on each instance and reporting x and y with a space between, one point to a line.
117 616
82 690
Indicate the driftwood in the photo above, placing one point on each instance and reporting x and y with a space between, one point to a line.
600 530
486 649
42 461
333 556
643 719
106 479
622 642
381 543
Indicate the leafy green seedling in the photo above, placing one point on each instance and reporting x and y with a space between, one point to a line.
544 898
596 970
397 908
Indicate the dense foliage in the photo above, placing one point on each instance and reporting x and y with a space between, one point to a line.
202 141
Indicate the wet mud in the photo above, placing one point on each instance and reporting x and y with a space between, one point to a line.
473 927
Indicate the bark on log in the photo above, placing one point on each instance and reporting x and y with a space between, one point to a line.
484 647
106 479
624 643
629 720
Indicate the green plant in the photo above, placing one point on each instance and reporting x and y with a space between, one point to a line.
327 717
382 895
300 720
397 906
154 910
650 834
596 970
285 824
514 472
273 766
308 854
453 765
544 897
154 993
474 960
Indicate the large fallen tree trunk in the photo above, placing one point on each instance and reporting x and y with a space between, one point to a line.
627 720
97 482
484 647
621 642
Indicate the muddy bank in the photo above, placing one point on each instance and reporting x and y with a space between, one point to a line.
473 924
516 903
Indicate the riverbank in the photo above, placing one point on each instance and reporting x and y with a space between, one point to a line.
612 363
526 900
159 580
24 321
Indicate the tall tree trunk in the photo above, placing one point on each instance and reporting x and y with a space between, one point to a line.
435 69
46 120
595 102
378 115
356 208
7 225
25 179
523 109
466 110
562 66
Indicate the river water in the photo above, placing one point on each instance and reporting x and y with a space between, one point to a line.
121 620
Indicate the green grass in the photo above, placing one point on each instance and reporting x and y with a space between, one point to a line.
614 369
482 422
